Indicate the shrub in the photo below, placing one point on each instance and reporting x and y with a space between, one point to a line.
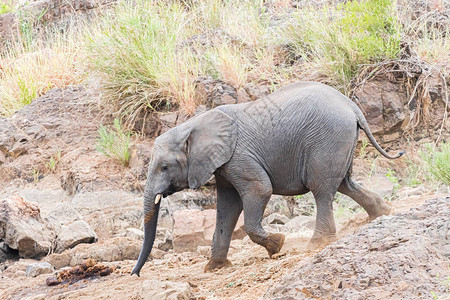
338 40
115 142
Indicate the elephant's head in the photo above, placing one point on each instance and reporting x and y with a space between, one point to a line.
185 156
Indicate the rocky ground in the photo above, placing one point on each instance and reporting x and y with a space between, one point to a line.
71 218
74 231
400 256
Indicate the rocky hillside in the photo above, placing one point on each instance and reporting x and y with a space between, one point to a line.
71 217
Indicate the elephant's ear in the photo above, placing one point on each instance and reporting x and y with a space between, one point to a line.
210 144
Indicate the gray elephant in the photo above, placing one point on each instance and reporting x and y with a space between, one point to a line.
301 138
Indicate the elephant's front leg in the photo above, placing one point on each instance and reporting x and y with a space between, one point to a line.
255 195
229 207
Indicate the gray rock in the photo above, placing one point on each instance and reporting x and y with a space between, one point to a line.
164 240
256 92
114 249
183 200
277 204
63 213
7 253
382 104
301 223
214 92
275 218
37 269
134 233
73 234
22 227
159 290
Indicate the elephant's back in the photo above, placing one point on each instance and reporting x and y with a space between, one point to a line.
285 129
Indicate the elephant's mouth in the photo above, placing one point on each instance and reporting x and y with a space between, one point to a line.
171 190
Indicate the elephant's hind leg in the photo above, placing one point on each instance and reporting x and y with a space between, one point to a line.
325 231
229 207
370 201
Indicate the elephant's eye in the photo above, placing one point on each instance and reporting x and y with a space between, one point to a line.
164 168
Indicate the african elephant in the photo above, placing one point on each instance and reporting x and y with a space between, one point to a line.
300 138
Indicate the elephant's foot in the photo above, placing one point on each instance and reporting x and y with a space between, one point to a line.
319 242
217 263
273 243
381 210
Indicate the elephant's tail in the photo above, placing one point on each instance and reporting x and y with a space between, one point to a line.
362 122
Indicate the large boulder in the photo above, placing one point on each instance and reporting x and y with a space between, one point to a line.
115 249
22 227
193 228
73 234
214 92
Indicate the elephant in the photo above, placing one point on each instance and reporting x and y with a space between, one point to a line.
300 138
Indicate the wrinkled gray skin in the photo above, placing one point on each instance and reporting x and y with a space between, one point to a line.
299 139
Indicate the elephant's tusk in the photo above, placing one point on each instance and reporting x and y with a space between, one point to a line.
158 198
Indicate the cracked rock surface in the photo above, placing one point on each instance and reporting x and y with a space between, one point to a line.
405 256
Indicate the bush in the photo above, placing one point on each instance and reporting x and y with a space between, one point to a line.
338 40
115 142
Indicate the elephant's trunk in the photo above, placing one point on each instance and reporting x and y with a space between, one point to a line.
151 210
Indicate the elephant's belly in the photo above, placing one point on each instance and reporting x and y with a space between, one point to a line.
290 190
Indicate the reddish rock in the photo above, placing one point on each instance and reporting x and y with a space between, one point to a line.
384 104
193 228
51 281
22 227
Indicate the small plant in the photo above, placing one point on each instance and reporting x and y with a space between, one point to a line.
232 66
29 69
35 174
362 151
415 172
437 161
53 162
393 178
344 207
115 142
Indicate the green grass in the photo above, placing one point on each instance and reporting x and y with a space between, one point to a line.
133 50
53 161
345 207
137 50
5 7
437 162
337 41
114 142
32 64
